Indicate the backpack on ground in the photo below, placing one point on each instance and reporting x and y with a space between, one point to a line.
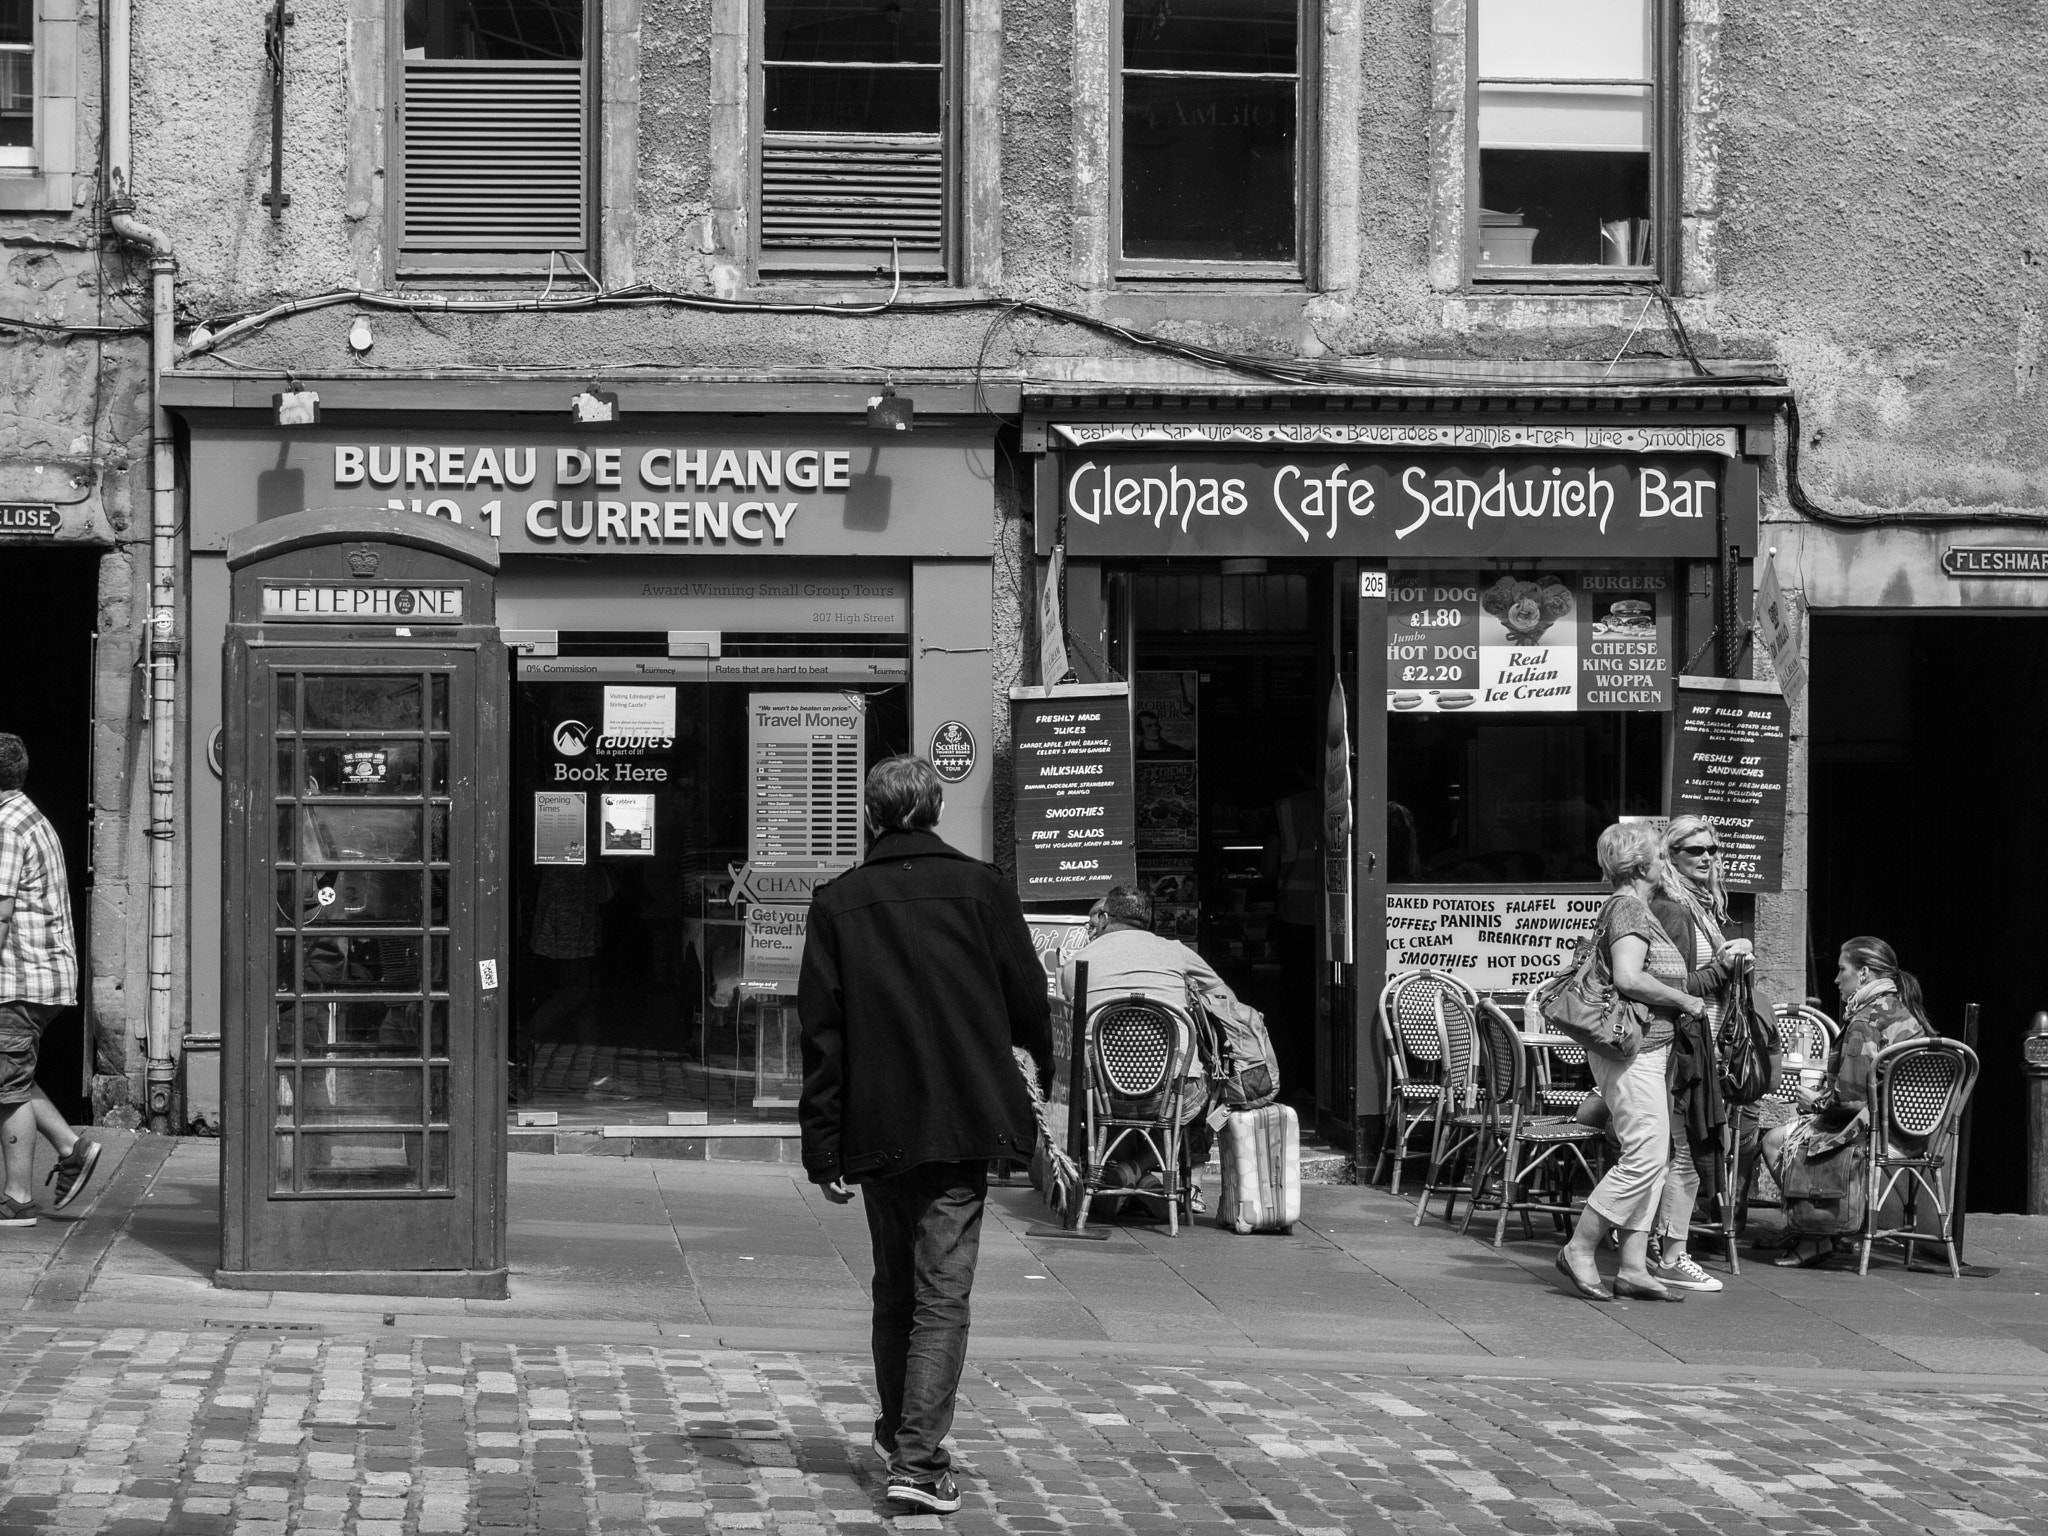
1237 1054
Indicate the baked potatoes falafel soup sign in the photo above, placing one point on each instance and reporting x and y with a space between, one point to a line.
1526 640
1428 506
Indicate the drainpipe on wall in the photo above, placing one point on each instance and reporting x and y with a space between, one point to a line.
165 641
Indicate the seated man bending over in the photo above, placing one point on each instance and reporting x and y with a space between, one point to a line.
1125 956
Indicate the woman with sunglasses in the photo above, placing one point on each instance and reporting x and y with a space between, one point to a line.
1693 909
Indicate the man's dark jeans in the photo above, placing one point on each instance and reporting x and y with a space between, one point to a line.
926 1227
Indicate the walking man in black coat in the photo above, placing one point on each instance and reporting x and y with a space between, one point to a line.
918 978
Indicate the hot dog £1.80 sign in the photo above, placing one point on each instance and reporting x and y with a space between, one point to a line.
1518 641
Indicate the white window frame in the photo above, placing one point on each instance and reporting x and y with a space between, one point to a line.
39 178
1308 86
1666 138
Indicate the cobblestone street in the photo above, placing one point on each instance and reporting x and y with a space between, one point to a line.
269 1429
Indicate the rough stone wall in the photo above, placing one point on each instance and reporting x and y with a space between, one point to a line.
74 431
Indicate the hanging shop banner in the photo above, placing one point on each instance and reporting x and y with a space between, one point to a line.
1428 506
1585 640
1337 826
1165 752
1072 749
560 821
1777 625
1493 941
1730 754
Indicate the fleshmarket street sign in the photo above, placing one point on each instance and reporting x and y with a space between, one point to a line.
1994 560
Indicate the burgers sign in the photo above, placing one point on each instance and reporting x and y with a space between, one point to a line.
1517 641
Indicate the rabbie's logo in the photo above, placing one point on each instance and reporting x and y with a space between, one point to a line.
573 738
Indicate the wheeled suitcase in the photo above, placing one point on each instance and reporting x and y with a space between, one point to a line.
1261 1151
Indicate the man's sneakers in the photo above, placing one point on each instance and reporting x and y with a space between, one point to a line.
1684 1273
941 1495
17 1213
71 1174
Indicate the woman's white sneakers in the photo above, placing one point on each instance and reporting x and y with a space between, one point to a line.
1683 1272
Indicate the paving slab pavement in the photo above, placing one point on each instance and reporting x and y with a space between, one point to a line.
749 1255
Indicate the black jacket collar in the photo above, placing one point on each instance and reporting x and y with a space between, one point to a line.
911 845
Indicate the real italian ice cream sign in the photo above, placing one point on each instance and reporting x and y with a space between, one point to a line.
1528 640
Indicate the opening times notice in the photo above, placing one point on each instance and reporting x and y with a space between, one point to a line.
1730 749
1076 821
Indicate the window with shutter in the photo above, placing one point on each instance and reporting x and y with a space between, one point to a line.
1564 122
855 144
494 129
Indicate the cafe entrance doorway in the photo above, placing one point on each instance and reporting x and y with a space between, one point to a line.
1232 678
1929 831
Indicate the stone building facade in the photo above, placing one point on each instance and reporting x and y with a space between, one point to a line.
1842 221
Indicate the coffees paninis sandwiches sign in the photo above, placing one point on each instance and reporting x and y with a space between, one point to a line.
1152 503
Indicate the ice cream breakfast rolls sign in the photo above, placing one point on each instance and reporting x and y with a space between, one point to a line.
1522 640
1433 505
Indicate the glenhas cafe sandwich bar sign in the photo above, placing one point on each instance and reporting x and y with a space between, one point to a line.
1654 501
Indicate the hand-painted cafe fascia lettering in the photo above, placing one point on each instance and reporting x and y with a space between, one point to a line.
1420 505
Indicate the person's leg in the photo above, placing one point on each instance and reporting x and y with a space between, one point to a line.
55 1128
20 1033
890 1211
947 1243
1681 1195
18 1138
1627 1196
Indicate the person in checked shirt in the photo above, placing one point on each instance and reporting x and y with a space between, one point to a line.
38 980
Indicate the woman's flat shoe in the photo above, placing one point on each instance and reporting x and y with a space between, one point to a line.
1590 1292
1792 1258
1628 1290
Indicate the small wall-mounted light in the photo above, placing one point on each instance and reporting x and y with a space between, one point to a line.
297 407
889 411
593 405
360 337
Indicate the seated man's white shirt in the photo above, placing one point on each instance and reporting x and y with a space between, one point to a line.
1127 960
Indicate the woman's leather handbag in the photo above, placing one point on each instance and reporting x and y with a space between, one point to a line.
1826 1186
1747 1039
1584 1005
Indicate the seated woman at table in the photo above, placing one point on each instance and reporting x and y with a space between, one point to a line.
1645 967
1881 1006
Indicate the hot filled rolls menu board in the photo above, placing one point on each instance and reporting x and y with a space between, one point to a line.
1730 750
1075 818
1521 640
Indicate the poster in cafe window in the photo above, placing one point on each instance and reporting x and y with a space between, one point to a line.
1528 639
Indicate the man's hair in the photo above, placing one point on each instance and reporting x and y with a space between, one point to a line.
1127 904
13 761
904 794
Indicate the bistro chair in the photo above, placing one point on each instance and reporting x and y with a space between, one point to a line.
1805 1031
1140 1051
1518 1149
1454 1143
1918 1091
1414 1005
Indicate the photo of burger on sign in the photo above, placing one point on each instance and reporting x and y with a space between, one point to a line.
1518 641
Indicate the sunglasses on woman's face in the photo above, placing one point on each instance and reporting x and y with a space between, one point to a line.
1698 850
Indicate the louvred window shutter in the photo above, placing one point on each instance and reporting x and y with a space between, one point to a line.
837 191
495 155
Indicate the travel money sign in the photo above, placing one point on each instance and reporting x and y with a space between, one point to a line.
1377 505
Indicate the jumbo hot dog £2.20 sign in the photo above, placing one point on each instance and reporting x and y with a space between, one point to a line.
1516 641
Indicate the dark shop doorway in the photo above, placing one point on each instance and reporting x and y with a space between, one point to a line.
51 599
1930 831
1232 678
